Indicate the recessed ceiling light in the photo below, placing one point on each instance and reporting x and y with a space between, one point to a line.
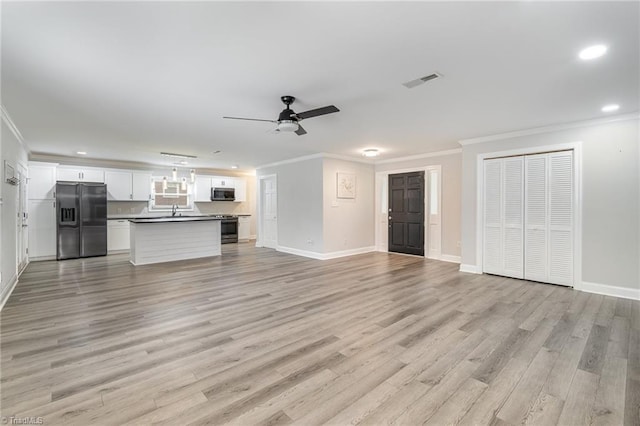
371 152
81 152
234 166
610 108
593 52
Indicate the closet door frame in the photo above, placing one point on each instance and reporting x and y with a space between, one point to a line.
576 147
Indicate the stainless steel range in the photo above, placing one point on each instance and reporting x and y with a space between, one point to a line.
229 228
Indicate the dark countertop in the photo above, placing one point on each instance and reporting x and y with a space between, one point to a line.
148 216
174 219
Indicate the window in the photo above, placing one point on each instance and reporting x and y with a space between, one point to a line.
174 194
433 192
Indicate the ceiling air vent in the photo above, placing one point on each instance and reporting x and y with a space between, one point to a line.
413 83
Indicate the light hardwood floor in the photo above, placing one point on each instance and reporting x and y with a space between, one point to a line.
261 337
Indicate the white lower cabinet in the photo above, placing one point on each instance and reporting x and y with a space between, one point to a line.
118 235
244 228
42 229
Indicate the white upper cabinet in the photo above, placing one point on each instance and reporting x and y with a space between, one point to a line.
119 187
140 186
203 189
80 174
128 186
241 189
42 181
222 182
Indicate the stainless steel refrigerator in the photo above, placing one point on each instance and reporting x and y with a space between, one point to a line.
82 219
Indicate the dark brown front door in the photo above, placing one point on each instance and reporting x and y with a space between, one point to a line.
406 213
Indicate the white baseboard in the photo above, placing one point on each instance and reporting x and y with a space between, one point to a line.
326 256
8 290
472 269
298 252
118 251
41 258
611 290
450 258
351 252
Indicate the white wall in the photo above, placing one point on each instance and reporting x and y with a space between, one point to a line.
12 151
348 223
308 209
611 197
451 194
300 198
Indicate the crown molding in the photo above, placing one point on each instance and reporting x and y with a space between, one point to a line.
421 156
549 129
12 126
128 165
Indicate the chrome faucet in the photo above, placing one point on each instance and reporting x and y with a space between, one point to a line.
174 209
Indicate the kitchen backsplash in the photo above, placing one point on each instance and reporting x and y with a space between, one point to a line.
142 208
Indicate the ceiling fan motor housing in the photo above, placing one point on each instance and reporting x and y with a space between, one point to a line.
287 115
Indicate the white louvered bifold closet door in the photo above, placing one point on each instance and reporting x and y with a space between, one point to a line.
503 224
561 218
513 236
549 218
492 259
528 217
535 234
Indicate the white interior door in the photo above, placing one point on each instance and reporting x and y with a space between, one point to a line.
434 214
269 210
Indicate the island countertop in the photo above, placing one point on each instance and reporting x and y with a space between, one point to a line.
158 216
173 219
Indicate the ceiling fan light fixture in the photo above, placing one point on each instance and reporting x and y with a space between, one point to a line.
371 152
287 126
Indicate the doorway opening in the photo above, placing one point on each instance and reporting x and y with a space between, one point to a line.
268 212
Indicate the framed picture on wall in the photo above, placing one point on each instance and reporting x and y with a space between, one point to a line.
346 185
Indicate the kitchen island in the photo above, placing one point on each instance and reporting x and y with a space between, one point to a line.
166 239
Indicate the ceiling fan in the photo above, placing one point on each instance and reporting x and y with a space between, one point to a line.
288 120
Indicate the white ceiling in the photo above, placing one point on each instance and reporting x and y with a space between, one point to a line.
125 81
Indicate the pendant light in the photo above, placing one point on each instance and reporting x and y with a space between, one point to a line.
174 174
183 185
192 172
164 183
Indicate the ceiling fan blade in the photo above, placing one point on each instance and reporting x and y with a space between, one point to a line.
301 131
250 119
316 112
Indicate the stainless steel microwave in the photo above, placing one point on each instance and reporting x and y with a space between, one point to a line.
223 194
